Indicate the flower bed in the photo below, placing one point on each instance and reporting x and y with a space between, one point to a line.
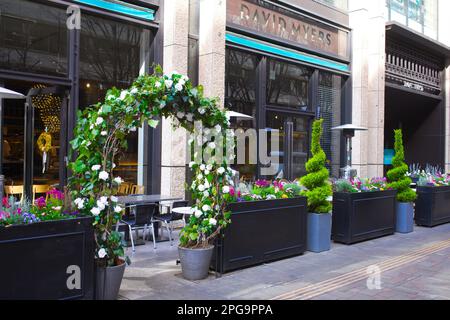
49 251
433 200
363 210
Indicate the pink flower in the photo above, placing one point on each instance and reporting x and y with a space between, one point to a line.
56 194
232 192
41 203
5 202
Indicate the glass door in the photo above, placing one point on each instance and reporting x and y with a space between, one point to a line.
293 131
34 138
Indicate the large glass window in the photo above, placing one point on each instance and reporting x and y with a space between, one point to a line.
288 85
33 38
240 96
111 55
419 15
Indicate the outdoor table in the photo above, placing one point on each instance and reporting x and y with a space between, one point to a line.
142 200
185 211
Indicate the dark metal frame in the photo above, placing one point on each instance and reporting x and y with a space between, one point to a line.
152 137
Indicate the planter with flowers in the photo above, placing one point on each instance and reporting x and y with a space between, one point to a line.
47 249
363 210
268 224
433 200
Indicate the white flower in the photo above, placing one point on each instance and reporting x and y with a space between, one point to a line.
226 189
57 208
99 121
217 207
206 208
201 110
102 253
209 167
180 115
212 145
212 221
181 81
218 128
198 213
91 127
221 170
207 132
114 199
207 171
202 167
96 167
158 84
200 177
190 117
185 78
104 200
118 180
206 194
123 94
168 83
104 133
103 175
79 203
101 206
134 91
118 209
191 164
201 188
95 211
178 87
207 184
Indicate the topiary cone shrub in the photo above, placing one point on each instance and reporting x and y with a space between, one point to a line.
397 175
316 181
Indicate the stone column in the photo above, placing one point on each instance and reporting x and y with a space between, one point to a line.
368 67
173 157
212 48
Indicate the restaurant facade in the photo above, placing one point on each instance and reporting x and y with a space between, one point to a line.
282 63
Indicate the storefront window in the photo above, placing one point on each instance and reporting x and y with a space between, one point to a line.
329 98
419 15
110 56
33 38
240 96
288 85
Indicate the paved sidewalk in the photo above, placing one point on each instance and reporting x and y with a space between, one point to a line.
413 266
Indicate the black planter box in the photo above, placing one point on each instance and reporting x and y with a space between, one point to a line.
363 216
260 232
432 206
37 260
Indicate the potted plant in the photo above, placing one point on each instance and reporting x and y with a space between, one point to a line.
269 223
433 200
398 180
318 190
46 250
362 210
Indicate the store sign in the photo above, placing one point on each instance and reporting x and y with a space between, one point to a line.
414 86
276 22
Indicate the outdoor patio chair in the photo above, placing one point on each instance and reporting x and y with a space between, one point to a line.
40 190
169 217
14 191
143 220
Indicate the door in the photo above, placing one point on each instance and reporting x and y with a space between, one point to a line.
30 126
46 145
293 134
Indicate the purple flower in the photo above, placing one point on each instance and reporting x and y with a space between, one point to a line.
40 203
29 218
56 194
262 183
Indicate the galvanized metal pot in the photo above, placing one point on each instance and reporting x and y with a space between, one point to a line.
195 262
108 281
405 217
319 232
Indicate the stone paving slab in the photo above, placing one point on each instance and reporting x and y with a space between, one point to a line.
154 274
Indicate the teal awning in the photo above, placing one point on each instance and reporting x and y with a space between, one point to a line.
283 52
122 7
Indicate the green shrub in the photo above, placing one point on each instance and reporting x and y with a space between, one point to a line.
397 175
343 185
316 182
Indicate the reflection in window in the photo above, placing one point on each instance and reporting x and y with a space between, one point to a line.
419 15
110 56
33 38
288 85
240 96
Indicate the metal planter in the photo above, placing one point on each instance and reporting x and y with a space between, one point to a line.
432 206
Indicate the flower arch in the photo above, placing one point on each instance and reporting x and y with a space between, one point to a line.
100 136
